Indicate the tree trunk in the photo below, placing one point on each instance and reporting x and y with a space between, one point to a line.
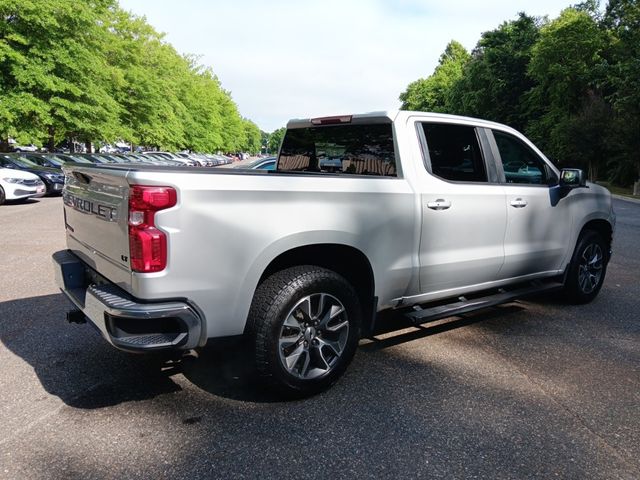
51 142
88 145
4 144
636 188
593 171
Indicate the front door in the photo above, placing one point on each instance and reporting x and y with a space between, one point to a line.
538 221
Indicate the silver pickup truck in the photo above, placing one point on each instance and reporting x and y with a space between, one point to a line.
431 215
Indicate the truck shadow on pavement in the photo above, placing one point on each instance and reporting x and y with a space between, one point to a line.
227 372
74 363
514 394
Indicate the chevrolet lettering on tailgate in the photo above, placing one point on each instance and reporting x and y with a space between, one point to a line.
105 212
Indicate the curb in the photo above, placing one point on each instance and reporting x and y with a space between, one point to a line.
626 199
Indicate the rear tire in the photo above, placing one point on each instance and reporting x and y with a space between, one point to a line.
305 325
2 196
587 268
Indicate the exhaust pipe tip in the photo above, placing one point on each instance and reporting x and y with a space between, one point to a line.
76 316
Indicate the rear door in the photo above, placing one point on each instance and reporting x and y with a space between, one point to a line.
463 209
95 211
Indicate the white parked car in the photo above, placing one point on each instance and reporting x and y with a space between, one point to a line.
25 148
18 185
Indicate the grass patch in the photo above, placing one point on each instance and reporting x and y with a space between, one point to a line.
624 191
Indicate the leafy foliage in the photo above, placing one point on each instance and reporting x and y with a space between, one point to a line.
495 80
622 21
572 84
275 139
433 93
565 102
92 71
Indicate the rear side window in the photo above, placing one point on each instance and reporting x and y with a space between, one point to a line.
454 152
519 162
351 149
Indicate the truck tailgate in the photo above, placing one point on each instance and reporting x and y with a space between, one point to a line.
95 212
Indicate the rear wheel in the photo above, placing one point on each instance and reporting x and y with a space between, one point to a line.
305 324
2 196
587 268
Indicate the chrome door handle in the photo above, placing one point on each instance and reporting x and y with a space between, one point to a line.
518 203
439 204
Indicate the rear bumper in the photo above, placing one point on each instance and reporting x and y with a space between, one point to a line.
125 322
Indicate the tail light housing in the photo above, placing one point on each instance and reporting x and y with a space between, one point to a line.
147 244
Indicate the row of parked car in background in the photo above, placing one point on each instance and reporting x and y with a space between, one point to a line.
31 174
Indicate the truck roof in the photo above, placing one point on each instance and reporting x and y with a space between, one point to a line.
388 116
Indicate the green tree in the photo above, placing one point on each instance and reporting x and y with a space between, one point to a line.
147 84
495 81
252 137
275 139
587 130
434 92
264 141
233 129
92 71
622 21
566 63
202 117
53 72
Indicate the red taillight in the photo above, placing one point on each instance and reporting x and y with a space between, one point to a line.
147 244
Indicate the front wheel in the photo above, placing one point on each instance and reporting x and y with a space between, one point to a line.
587 268
305 324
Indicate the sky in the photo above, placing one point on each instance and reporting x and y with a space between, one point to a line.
283 59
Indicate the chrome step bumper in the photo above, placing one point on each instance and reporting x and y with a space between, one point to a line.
125 322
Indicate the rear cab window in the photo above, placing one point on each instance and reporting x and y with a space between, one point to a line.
340 149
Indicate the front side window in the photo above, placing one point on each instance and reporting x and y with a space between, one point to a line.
454 152
520 163
351 149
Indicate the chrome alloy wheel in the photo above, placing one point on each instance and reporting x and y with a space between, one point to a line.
313 336
590 268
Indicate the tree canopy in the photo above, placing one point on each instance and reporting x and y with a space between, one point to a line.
433 93
93 72
571 83
275 139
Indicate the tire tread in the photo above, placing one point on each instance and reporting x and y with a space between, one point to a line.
269 298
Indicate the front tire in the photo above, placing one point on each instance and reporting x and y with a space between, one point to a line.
2 196
587 268
305 325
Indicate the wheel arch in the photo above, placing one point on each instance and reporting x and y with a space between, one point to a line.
601 226
346 260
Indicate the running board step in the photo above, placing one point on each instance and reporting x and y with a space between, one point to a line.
423 315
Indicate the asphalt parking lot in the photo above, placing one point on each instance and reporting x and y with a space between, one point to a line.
535 389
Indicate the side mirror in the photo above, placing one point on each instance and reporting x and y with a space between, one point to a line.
572 178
